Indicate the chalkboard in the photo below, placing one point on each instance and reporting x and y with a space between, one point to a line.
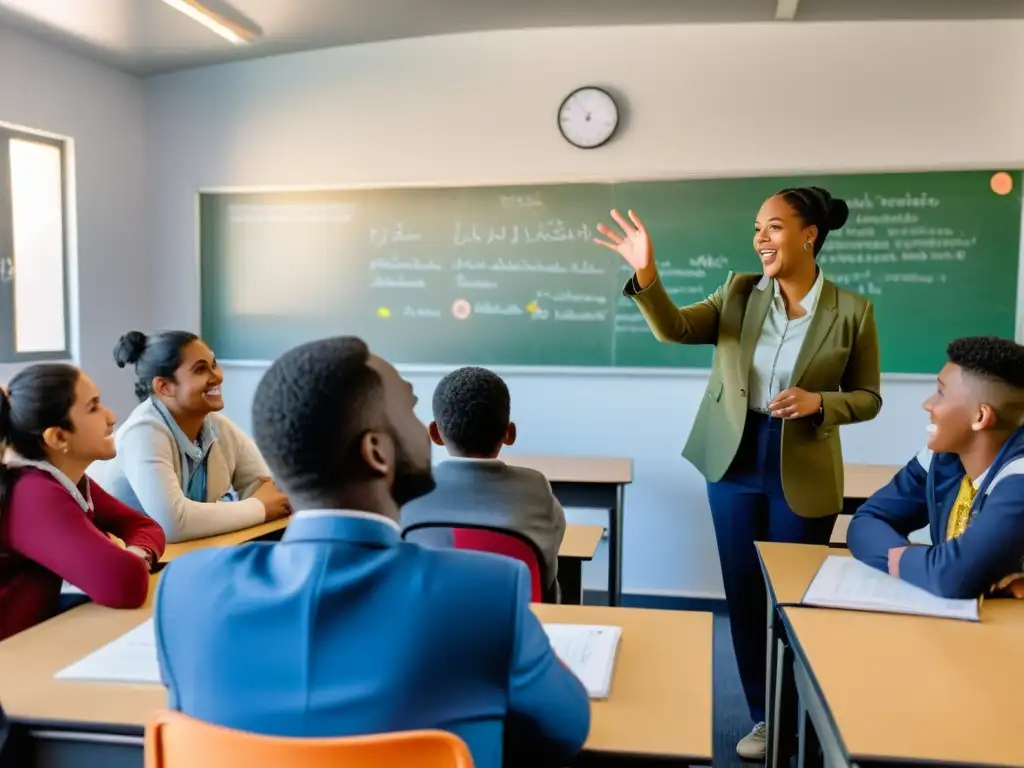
510 276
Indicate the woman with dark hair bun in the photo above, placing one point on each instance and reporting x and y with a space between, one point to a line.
54 520
180 460
796 357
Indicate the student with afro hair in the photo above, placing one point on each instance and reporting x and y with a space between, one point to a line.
967 485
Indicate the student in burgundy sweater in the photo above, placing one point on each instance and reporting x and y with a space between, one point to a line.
53 521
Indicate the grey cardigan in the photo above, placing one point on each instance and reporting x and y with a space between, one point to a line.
147 475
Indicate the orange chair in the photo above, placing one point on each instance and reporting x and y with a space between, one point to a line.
174 740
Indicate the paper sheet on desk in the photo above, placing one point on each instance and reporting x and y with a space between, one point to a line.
843 582
131 658
589 651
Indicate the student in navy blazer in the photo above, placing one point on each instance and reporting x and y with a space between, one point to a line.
967 486
342 628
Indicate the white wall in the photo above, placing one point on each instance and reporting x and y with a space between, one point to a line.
102 111
705 100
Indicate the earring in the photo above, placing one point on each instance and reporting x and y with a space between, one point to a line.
807 246
64 449
976 426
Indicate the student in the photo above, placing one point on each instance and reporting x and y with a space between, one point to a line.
967 486
181 462
53 520
366 633
471 419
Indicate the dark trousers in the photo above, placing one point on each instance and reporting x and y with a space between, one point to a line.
748 505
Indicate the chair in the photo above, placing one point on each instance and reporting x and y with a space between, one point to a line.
174 740
482 538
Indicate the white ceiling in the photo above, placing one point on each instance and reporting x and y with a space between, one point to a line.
147 36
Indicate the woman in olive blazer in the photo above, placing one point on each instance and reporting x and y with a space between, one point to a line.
795 358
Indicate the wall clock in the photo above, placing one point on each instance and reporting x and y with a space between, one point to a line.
588 117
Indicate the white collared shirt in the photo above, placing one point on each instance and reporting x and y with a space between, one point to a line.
372 516
779 345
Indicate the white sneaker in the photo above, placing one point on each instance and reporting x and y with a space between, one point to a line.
753 746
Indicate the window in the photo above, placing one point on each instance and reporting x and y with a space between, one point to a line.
33 248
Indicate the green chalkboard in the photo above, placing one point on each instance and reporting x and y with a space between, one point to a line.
510 276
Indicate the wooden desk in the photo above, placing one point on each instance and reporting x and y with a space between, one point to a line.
596 482
660 702
862 480
262 531
579 543
838 537
963 707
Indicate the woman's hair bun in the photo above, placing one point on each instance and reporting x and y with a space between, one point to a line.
837 213
129 348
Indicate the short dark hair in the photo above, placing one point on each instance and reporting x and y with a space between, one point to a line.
311 408
472 408
990 357
38 398
816 206
152 356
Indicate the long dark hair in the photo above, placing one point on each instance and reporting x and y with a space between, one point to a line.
152 356
36 399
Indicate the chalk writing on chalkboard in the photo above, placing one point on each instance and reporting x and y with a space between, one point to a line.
510 274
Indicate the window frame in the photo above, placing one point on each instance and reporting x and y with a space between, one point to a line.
8 349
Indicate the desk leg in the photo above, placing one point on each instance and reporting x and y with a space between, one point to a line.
615 548
819 740
771 686
784 707
780 695
809 755
570 579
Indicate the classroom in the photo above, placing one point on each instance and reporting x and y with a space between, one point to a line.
429 121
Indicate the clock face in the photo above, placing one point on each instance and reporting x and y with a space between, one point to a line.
588 117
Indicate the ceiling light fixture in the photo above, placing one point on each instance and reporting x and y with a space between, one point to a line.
215 21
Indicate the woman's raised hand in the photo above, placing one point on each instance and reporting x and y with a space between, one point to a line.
633 243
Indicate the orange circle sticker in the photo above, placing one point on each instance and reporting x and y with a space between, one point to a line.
1001 183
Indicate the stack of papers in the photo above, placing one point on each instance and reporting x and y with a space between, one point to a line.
131 658
843 582
589 651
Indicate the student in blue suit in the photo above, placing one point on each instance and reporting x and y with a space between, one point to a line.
967 486
342 628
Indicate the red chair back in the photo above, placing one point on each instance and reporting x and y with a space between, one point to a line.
501 543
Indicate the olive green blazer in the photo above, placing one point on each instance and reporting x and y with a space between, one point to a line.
839 359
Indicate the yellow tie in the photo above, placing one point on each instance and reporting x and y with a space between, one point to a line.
960 515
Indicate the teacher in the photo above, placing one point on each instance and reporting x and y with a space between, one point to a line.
795 358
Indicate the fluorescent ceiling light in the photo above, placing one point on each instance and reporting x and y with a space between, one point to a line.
214 21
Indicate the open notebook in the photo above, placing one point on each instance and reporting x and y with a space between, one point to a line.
131 658
843 582
589 651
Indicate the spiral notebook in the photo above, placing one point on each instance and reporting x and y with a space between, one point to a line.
589 651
